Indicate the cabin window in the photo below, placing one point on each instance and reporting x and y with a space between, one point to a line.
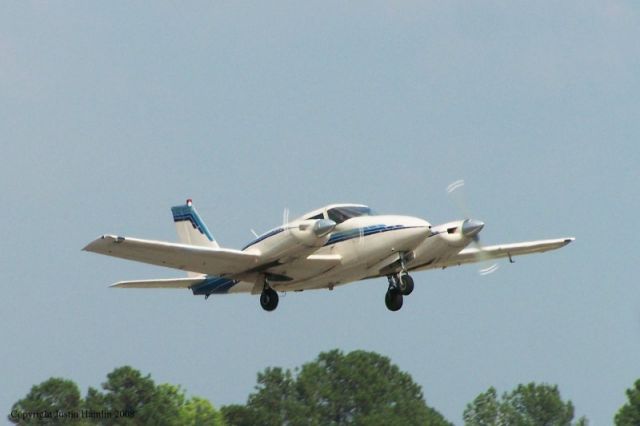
318 216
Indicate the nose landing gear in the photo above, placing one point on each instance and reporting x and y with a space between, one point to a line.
399 285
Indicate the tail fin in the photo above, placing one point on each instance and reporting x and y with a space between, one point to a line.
191 229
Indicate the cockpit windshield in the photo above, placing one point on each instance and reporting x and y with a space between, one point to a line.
340 214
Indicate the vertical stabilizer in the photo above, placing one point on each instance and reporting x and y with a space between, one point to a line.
191 229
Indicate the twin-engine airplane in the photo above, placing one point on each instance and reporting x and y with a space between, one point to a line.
331 246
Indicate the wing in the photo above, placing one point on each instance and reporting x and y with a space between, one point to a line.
205 260
471 255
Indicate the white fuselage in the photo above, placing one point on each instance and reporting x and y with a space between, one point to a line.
364 245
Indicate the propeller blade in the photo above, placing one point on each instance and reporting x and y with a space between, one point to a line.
489 270
456 192
471 227
487 267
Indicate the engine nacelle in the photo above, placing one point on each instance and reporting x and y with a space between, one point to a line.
313 232
460 232
296 239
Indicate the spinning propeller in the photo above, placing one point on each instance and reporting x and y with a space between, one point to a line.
471 227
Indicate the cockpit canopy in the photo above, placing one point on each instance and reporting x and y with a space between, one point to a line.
340 212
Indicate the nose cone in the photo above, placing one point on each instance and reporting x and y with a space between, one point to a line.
471 227
323 226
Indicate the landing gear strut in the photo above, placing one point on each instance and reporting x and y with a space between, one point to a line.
269 299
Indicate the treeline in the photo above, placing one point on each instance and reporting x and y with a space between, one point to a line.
361 388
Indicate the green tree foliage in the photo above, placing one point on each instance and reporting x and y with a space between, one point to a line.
51 396
484 410
199 412
537 405
127 392
357 388
239 415
629 413
527 405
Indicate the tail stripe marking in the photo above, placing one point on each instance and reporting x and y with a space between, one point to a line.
183 213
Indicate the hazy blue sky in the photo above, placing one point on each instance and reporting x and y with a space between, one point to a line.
111 112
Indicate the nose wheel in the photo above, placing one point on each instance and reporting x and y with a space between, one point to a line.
406 284
393 299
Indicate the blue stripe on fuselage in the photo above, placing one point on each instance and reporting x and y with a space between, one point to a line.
339 237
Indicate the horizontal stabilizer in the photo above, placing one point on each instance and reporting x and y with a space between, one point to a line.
166 283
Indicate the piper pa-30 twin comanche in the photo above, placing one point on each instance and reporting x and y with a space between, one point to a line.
334 245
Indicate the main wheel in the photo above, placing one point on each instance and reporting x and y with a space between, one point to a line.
269 299
393 299
406 284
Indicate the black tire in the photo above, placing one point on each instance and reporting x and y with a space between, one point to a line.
269 299
393 300
406 284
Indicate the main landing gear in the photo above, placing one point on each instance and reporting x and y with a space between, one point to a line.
399 285
268 299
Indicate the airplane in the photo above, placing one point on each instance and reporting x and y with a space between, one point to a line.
331 246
